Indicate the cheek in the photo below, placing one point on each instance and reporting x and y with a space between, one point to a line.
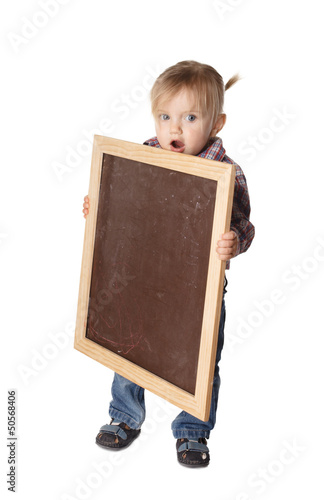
158 129
192 133
161 134
196 136
160 126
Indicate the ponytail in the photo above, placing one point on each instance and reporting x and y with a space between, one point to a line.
232 81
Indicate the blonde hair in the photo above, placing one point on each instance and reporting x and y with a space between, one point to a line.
203 80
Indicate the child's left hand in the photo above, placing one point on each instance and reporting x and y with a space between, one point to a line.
227 246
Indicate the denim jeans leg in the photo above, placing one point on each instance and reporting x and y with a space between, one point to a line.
187 426
128 404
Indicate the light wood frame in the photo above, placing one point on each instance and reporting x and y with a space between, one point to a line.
199 403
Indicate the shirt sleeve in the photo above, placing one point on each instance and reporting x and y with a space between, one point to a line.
240 221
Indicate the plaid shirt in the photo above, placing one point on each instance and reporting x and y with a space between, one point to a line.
240 221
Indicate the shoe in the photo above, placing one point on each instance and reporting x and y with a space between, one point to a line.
116 437
193 453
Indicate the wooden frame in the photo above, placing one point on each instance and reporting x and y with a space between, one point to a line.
197 404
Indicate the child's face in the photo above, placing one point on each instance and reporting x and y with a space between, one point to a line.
180 127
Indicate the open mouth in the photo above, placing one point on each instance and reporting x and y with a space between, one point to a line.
177 146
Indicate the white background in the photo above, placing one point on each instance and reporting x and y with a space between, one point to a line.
67 73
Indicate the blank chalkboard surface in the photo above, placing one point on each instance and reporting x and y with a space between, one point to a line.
151 282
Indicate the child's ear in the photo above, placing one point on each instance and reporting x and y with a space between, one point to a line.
219 124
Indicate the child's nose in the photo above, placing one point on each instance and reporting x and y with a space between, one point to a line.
175 127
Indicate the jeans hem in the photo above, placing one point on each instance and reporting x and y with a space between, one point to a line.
190 434
123 417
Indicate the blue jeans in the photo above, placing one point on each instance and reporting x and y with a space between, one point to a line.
128 404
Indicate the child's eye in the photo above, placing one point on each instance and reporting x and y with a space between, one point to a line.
190 118
164 117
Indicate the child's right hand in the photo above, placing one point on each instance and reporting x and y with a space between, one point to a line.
86 206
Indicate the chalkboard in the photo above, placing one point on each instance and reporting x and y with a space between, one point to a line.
151 282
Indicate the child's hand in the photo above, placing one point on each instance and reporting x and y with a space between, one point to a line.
227 246
86 206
